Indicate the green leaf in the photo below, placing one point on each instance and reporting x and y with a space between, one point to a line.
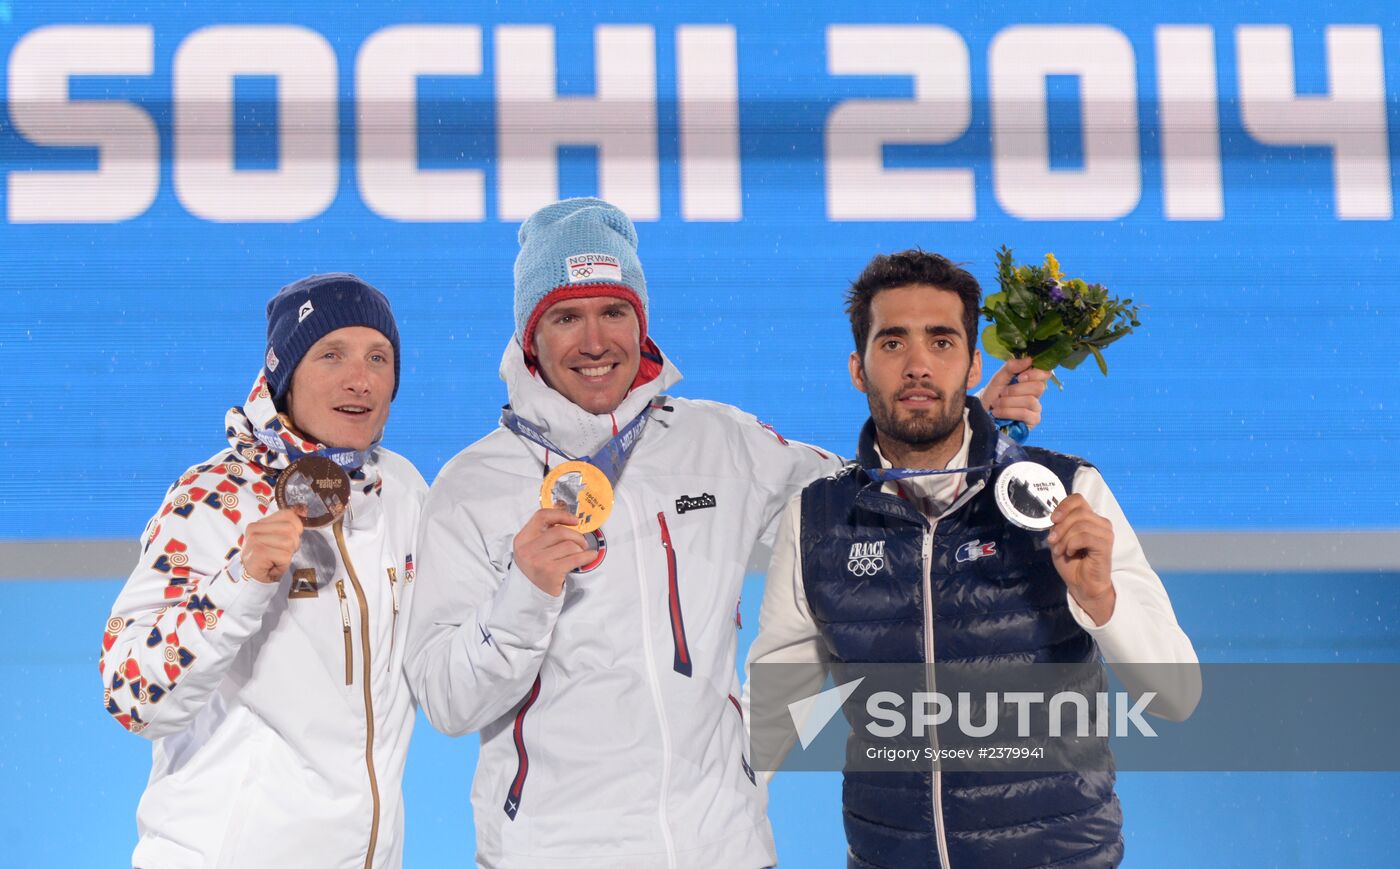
1046 360
1012 338
1023 323
1005 265
1098 357
1051 325
1109 338
992 305
1022 301
1072 361
993 345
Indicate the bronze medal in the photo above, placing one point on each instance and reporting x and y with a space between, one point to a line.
583 490
318 485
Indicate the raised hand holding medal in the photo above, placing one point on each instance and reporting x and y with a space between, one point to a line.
583 485
312 492
582 489
550 546
317 485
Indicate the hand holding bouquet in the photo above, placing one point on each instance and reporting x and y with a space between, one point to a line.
1053 320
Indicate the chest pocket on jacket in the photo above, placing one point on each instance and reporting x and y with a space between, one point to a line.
676 609
691 539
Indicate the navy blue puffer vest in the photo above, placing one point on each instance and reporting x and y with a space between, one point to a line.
1003 608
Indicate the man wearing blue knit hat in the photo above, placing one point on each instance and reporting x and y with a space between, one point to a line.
259 649
580 570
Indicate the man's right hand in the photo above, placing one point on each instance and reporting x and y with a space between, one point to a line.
269 543
548 549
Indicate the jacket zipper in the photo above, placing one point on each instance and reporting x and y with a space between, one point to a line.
654 684
682 663
369 700
522 757
345 627
939 831
926 554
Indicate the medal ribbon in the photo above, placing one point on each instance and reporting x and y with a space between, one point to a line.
1007 451
885 475
349 459
610 458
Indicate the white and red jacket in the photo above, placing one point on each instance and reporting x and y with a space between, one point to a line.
278 714
611 734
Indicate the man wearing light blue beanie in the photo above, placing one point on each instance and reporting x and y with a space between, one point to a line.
598 663
575 249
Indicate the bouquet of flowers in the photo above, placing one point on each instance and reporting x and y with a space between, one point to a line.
1054 320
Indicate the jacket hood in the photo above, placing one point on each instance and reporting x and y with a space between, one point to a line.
256 426
569 426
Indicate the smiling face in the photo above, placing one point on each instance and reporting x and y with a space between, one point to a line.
589 350
916 368
342 387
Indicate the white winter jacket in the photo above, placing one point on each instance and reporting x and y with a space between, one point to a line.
278 713
610 727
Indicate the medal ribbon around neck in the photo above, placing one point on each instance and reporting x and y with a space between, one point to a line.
1006 452
347 458
598 472
1027 492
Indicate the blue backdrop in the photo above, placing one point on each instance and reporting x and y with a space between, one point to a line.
1261 393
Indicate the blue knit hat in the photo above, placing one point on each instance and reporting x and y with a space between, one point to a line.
574 249
305 311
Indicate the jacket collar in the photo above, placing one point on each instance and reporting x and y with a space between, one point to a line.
569 426
988 447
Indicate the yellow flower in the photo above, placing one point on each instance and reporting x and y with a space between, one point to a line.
1096 320
1052 267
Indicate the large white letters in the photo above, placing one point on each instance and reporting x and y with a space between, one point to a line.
707 105
386 123
308 170
127 176
1110 182
858 186
1350 119
1190 117
54 107
533 120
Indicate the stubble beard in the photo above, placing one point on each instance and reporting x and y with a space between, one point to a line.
921 430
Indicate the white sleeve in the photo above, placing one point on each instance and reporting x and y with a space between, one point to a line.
478 631
184 613
1143 629
787 633
782 469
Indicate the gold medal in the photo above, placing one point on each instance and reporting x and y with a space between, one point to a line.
317 484
584 491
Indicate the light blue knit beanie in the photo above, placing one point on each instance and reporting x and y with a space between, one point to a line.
573 249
